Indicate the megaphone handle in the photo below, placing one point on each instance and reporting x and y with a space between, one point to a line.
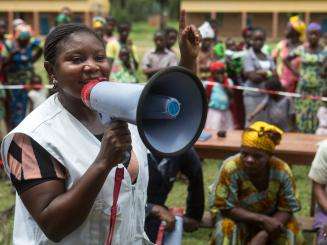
127 157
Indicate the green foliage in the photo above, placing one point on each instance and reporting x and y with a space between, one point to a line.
140 10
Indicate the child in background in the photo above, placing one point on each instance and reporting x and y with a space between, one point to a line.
219 116
275 109
122 70
38 94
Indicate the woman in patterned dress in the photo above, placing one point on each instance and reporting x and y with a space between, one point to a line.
311 56
24 51
254 197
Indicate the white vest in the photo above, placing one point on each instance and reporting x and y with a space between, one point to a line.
67 140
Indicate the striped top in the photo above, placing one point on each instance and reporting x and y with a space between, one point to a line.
30 164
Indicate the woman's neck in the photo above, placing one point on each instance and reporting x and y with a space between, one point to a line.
76 107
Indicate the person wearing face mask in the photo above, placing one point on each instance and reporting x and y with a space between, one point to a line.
24 52
257 68
253 199
158 58
64 162
294 36
311 82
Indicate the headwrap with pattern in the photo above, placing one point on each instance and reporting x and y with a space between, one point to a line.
298 25
262 136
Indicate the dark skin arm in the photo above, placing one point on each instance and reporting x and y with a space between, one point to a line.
189 43
270 224
320 195
58 211
287 61
259 76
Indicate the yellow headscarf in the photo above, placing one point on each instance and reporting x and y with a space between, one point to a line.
98 22
298 25
262 136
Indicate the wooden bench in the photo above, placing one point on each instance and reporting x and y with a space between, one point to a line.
295 149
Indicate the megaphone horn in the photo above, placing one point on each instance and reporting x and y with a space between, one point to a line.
169 111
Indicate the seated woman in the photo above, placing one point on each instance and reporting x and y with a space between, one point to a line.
254 194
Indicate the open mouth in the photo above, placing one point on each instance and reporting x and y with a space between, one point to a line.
99 79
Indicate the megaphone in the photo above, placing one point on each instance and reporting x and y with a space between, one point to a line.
169 111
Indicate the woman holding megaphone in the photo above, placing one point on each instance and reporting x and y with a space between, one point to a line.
61 158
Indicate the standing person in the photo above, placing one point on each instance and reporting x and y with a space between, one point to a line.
113 48
294 35
63 174
171 38
4 53
247 39
311 56
158 58
64 17
234 69
122 71
23 54
99 25
110 29
162 176
318 175
206 55
275 109
254 195
257 67
219 116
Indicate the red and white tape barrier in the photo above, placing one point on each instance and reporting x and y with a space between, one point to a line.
244 88
27 86
265 91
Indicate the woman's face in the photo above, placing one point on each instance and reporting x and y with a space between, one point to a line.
259 39
219 75
313 37
80 58
254 160
291 33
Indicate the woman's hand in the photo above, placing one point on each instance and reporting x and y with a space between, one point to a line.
116 140
189 43
272 225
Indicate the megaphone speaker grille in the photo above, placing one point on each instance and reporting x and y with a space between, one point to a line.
173 136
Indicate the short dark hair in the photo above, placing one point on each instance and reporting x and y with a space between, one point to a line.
59 35
159 33
170 29
123 24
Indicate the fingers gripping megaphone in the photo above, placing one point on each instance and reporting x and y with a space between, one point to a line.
169 111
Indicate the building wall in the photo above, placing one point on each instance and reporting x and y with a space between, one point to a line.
229 24
263 20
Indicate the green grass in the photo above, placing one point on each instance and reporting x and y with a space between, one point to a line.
177 198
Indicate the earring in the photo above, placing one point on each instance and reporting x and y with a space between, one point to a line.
54 82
